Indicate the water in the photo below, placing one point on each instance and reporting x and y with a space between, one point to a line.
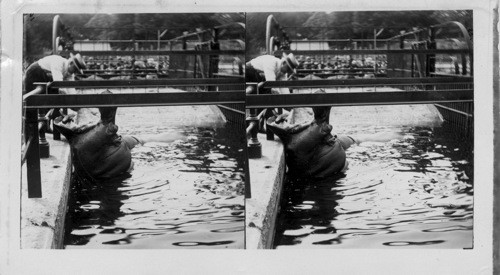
180 195
412 193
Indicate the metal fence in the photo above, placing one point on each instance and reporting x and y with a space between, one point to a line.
443 92
209 52
35 100
205 53
405 69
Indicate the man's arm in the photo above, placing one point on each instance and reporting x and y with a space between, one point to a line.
56 69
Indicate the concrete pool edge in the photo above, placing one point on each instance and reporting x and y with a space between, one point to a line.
266 176
42 219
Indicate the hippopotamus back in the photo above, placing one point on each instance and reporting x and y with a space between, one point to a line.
100 152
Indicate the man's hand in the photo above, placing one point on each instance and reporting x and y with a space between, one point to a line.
282 117
69 117
275 91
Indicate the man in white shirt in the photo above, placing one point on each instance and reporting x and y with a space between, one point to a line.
53 68
271 68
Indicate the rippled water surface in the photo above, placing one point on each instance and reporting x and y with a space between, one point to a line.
416 192
180 195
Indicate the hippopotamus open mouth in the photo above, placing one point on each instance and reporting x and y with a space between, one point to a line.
98 152
310 148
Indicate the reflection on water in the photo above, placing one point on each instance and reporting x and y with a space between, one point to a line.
416 192
183 194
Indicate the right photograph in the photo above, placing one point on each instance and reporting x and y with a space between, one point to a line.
360 130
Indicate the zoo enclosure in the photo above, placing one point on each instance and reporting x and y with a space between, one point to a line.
197 62
36 144
444 49
207 52
408 68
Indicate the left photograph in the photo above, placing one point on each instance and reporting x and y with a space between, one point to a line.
133 131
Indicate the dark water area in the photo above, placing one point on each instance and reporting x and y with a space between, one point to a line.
411 193
186 194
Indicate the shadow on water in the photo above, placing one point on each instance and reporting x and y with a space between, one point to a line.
415 192
180 195
307 205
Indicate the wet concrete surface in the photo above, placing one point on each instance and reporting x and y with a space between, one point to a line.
266 176
42 219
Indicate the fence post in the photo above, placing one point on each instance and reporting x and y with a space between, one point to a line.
268 114
186 66
213 60
464 65
56 135
248 190
431 58
254 145
33 155
44 144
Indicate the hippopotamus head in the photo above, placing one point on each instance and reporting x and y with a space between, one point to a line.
310 148
108 114
98 152
321 113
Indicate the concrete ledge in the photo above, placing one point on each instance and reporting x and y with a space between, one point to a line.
42 219
266 177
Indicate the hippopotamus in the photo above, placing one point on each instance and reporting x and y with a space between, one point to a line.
311 150
98 152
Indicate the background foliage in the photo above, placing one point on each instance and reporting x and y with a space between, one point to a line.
345 25
38 27
357 24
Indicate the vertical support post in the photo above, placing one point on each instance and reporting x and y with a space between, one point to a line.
413 60
184 47
471 61
350 58
216 47
33 155
240 68
268 114
44 148
214 59
254 148
403 63
248 189
431 58
195 66
464 64
158 46
56 135
254 145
